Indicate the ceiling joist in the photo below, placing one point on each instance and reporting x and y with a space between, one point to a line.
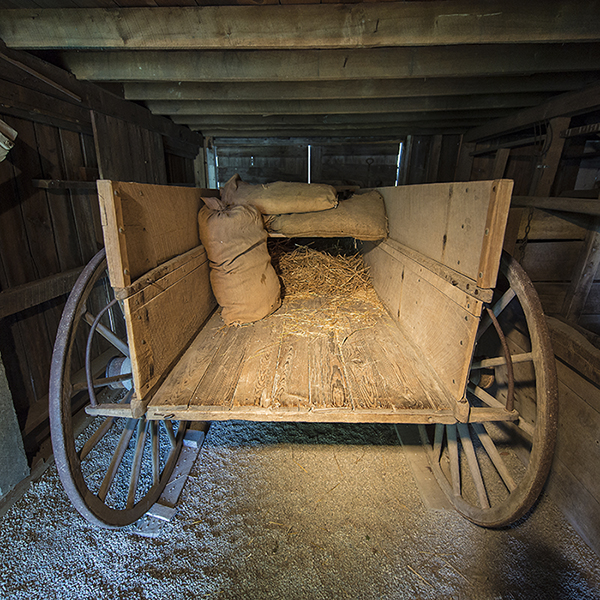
200 120
365 88
326 65
304 26
320 107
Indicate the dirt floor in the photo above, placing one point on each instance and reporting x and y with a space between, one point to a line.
288 511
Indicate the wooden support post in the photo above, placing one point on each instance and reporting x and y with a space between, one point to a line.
583 274
434 159
500 161
465 162
200 169
405 160
546 172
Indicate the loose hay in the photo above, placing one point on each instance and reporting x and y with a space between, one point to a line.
339 284
308 272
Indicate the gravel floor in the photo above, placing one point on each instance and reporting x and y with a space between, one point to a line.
293 511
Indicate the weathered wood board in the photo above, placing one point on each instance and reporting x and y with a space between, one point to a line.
460 225
296 366
146 225
440 319
574 481
164 315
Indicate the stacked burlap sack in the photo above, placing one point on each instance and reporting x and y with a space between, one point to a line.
232 230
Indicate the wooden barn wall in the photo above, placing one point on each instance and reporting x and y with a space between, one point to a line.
363 163
47 235
557 248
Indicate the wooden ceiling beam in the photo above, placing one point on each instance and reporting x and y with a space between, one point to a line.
365 88
319 107
304 26
333 120
328 65
357 128
320 133
569 104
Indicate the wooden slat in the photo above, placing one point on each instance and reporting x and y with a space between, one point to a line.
315 65
163 318
460 225
306 26
583 274
572 348
145 226
93 97
577 448
84 202
15 95
256 379
571 205
552 260
442 329
291 365
27 295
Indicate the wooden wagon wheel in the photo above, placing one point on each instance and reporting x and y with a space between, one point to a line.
493 472
112 468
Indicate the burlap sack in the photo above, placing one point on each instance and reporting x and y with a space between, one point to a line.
362 217
242 277
279 197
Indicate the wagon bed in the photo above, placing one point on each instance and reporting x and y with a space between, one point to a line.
300 364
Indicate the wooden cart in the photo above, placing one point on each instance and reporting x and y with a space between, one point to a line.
462 351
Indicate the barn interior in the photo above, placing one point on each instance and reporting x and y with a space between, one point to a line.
356 95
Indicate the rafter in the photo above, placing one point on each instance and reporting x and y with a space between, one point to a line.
380 88
323 65
304 26
319 107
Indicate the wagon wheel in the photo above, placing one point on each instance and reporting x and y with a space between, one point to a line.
112 468
493 471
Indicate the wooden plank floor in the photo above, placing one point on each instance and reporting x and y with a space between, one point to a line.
312 360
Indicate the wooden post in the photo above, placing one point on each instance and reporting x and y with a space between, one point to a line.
583 274
200 169
465 161
405 160
546 172
434 159
500 161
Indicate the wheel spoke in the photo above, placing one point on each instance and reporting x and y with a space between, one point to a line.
96 437
502 303
107 334
454 463
484 396
494 455
155 451
102 382
437 442
102 430
136 466
467 444
115 462
501 361
169 427
527 428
